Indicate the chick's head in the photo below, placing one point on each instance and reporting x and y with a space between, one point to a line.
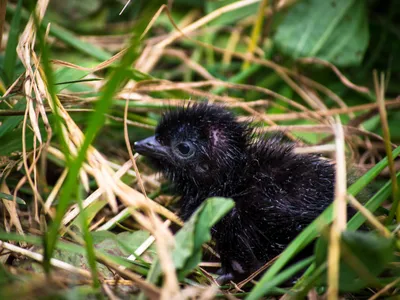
197 142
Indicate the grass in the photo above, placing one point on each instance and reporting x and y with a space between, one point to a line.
85 217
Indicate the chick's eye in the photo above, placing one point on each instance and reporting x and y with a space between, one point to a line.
185 149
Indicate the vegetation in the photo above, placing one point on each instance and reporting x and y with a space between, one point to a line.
82 80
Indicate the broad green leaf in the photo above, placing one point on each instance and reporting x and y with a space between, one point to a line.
131 241
68 75
111 245
123 244
336 31
372 251
91 211
64 246
195 232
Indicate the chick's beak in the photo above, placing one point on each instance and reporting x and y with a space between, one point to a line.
149 147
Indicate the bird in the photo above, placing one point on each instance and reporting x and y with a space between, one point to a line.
205 151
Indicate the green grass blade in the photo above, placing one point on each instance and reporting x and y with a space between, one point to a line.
364 180
64 246
51 237
89 245
96 121
70 39
67 37
286 275
11 198
372 205
11 50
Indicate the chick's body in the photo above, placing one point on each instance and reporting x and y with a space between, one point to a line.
206 152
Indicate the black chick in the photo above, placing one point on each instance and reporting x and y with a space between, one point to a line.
204 151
